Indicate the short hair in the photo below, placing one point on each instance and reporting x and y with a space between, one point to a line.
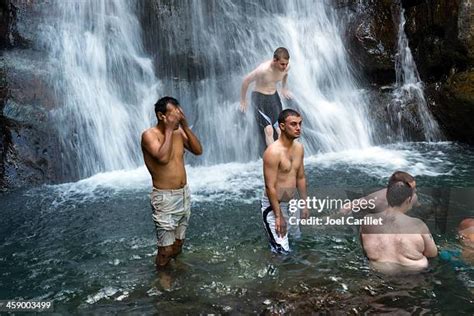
160 105
285 113
281 52
400 176
398 192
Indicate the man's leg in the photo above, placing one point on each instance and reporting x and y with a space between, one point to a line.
177 247
268 130
163 256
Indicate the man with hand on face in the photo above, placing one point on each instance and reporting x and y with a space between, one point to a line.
283 172
265 97
163 151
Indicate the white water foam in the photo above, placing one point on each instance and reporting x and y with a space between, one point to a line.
244 181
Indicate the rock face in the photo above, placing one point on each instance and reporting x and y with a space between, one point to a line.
28 147
441 38
371 36
441 35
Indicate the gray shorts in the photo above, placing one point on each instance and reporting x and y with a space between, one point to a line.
171 212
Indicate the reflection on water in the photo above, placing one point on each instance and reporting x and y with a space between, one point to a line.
90 245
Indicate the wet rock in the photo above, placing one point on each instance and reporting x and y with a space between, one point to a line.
372 38
453 105
440 36
29 149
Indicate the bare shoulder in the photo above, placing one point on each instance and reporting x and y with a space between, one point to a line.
272 152
150 135
299 148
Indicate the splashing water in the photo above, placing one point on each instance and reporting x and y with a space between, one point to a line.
106 83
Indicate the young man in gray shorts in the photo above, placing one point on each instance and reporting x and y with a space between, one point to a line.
163 151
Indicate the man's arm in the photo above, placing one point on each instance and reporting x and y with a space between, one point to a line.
191 142
161 151
270 171
245 85
301 184
284 86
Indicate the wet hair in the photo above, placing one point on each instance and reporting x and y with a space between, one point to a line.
285 113
398 192
160 105
281 52
400 176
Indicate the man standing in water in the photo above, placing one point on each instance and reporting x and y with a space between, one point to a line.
283 172
265 97
163 151
401 243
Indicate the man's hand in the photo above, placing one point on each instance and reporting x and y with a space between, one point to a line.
182 118
243 106
305 213
286 94
171 121
280 226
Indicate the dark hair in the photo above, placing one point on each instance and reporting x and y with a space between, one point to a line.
400 176
160 105
281 52
285 113
398 192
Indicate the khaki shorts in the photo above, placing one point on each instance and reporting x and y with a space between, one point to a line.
171 212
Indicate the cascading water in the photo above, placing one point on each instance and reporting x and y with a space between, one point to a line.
106 83
221 41
409 91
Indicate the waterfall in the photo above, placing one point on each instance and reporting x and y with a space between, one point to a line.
409 91
105 61
103 79
221 41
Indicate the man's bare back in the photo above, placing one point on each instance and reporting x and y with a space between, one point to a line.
402 241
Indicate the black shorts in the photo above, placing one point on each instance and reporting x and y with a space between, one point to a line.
267 108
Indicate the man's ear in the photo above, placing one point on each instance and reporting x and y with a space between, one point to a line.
281 126
160 116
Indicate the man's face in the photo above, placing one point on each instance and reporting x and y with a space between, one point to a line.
171 111
414 197
292 126
281 64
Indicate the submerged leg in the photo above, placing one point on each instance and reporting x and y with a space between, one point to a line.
177 247
163 256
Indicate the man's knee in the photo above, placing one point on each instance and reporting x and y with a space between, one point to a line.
268 130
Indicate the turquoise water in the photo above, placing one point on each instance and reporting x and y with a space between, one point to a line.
89 246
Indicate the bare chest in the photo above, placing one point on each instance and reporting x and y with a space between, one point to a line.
289 162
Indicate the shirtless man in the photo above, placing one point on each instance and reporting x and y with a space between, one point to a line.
379 197
283 172
402 243
265 98
163 150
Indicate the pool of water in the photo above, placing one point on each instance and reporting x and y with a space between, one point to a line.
89 246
